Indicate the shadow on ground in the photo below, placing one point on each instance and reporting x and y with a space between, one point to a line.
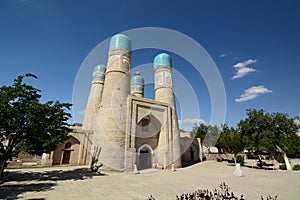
12 191
55 175
262 168
9 189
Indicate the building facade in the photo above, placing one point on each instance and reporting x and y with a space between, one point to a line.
133 132
130 129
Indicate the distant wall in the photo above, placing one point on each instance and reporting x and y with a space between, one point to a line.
189 150
215 156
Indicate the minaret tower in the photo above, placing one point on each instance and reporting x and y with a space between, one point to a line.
110 135
95 96
137 85
164 92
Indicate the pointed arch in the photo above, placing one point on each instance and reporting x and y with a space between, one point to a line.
147 146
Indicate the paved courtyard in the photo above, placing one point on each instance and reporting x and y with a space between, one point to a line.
78 183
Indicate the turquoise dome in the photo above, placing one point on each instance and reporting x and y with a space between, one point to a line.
100 68
120 41
99 73
137 79
162 59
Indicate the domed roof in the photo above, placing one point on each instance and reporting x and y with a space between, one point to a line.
162 59
120 41
99 73
137 79
100 68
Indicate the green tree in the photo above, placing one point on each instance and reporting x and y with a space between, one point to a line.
212 136
208 135
26 124
199 131
262 131
231 140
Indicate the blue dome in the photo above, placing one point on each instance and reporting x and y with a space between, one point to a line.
120 41
100 68
137 79
99 73
162 59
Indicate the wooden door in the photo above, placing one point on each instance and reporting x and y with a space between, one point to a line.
66 157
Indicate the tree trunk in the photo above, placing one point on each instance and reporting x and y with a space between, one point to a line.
286 160
2 166
234 157
287 163
200 150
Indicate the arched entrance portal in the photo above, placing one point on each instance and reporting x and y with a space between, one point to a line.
66 153
144 154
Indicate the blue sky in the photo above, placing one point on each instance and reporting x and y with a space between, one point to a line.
254 44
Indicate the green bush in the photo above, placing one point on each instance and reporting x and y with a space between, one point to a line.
279 158
296 167
240 159
269 197
282 167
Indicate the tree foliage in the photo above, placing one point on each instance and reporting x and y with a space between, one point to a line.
262 131
231 140
28 124
212 136
199 131
209 135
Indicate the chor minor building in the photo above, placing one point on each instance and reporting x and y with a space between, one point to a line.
131 131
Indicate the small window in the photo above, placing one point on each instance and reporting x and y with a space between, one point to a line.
145 124
68 145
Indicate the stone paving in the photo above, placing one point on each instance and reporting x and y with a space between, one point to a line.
78 183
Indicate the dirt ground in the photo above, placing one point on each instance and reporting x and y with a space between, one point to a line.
78 183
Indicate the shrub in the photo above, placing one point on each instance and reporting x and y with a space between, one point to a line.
240 159
296 167
279 158
221 193
282 167
269 197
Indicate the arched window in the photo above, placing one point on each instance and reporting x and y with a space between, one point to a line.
68 145
145 124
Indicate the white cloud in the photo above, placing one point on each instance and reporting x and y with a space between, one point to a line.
252 93
81 112
192 120
188 123
245 63
242 68
222 55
